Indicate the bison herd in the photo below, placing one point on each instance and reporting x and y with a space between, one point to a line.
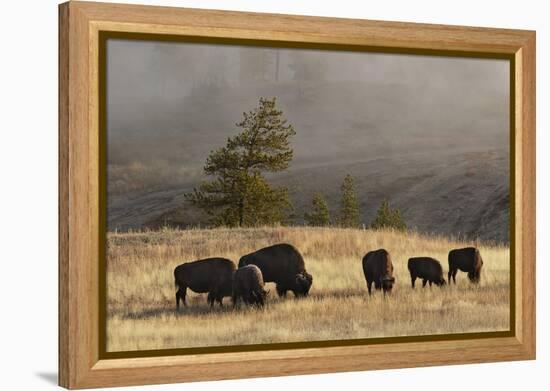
283 265
219 277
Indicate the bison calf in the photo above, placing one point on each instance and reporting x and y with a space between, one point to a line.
282 264
378 268
467 260
212 275
427 269
248 285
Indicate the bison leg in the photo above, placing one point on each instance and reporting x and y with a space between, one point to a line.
213 296
413 279
258 298
236 295
210 299
452 275
249 298
180 294
281 290
424 281
297 295
430 283
369 287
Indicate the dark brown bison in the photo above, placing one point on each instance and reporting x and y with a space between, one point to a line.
427 269
378 268
283 265
248 285
212 275
467 260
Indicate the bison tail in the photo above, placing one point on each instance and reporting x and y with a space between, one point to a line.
176 284
242 262
478 256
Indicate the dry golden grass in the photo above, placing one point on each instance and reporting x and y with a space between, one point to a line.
141 311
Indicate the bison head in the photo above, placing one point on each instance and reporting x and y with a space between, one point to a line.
474 277
302 283
387 283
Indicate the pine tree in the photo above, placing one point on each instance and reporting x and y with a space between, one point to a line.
238 194
349 213
319 215
388 218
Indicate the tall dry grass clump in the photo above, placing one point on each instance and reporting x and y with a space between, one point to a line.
141 295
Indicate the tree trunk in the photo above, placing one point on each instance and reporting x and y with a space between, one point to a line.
241 212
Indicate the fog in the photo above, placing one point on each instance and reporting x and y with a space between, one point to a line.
170 104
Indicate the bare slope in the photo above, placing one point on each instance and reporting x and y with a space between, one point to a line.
453 193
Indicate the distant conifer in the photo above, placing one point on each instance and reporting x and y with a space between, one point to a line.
319 215
388 218
349 212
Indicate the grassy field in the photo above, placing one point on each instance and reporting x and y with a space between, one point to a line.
141 294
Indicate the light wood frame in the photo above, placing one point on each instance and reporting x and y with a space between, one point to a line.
80 23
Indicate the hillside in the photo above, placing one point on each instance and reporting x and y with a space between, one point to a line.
451 193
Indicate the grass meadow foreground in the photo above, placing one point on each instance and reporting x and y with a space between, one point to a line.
141 310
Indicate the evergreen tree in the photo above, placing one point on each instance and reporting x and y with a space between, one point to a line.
388 218
238 194
319 215
349 213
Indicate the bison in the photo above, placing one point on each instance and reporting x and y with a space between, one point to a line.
212 275
427 269
248 284
283 265
467 260
378 268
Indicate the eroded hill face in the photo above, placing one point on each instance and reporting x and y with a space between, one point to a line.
452 193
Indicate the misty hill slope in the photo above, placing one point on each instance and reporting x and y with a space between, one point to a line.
462 193
333 120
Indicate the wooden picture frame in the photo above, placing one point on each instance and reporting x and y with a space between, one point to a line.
80 160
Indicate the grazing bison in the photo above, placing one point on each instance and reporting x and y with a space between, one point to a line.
283 265
427 269
467 260
248 284
212 275
378 268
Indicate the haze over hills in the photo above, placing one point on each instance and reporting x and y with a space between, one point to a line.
428 133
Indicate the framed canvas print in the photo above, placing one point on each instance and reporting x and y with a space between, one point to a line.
247 195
